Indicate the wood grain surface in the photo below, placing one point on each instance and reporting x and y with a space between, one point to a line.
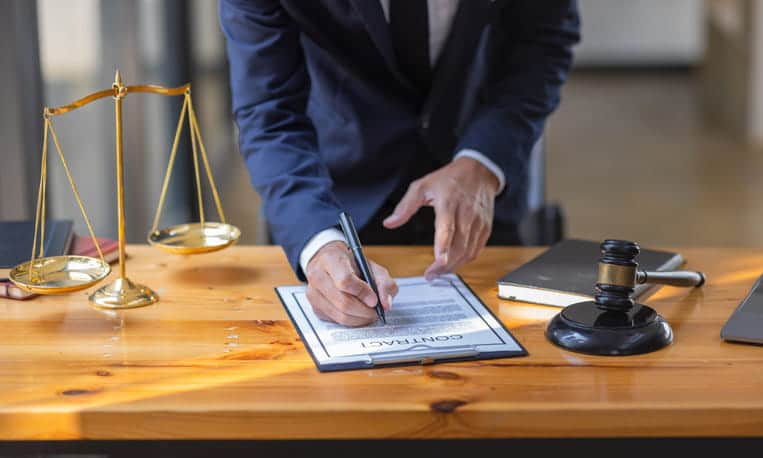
217 357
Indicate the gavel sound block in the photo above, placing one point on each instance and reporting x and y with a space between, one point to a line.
613 324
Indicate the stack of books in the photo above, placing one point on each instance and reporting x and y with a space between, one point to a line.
16 238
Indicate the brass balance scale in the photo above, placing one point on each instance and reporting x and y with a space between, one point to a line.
66 274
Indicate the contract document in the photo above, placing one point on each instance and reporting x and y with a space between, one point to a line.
430 321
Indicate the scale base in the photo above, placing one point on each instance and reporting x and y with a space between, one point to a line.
123 294
586 328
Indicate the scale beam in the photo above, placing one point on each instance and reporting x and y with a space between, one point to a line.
146 89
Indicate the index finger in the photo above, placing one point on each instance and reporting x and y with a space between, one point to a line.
385 284
444 230
407 207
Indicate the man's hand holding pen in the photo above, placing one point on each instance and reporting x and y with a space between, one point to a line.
338 293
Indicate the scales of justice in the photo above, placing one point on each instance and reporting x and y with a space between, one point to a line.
65 274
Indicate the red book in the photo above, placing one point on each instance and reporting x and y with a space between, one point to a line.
9 290
82 246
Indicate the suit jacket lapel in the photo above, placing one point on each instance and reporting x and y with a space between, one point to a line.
372 15
460 46
468 24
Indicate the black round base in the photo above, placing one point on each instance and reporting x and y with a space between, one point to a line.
586 328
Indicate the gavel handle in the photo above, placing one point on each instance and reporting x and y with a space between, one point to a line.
673 278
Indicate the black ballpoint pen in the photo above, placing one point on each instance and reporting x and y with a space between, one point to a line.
354 243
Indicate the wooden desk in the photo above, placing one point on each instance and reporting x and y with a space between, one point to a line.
218 358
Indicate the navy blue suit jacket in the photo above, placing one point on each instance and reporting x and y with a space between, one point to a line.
328 122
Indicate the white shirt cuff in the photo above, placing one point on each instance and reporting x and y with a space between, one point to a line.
316 243
482 159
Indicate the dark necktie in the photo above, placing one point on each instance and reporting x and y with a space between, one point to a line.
409 27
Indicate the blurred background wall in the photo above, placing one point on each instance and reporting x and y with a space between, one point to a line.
658 138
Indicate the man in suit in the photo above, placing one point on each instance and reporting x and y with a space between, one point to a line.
416 117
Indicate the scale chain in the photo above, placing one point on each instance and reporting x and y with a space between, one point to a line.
195 128
195 164
170 166
75 191
40 202
198 149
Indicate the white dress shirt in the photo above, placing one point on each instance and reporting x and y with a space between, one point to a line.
441 14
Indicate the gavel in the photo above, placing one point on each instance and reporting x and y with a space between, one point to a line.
613 324
619 274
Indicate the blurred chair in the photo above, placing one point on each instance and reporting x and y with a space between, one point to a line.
544 222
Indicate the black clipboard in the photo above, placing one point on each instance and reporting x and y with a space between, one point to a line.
416 352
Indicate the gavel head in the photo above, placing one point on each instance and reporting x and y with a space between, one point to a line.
617 275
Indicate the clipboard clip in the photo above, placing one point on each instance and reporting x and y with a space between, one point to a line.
422 354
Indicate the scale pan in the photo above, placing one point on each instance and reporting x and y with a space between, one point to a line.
59 274
194 238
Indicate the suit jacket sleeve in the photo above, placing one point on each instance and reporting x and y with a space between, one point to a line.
524 85
270 87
